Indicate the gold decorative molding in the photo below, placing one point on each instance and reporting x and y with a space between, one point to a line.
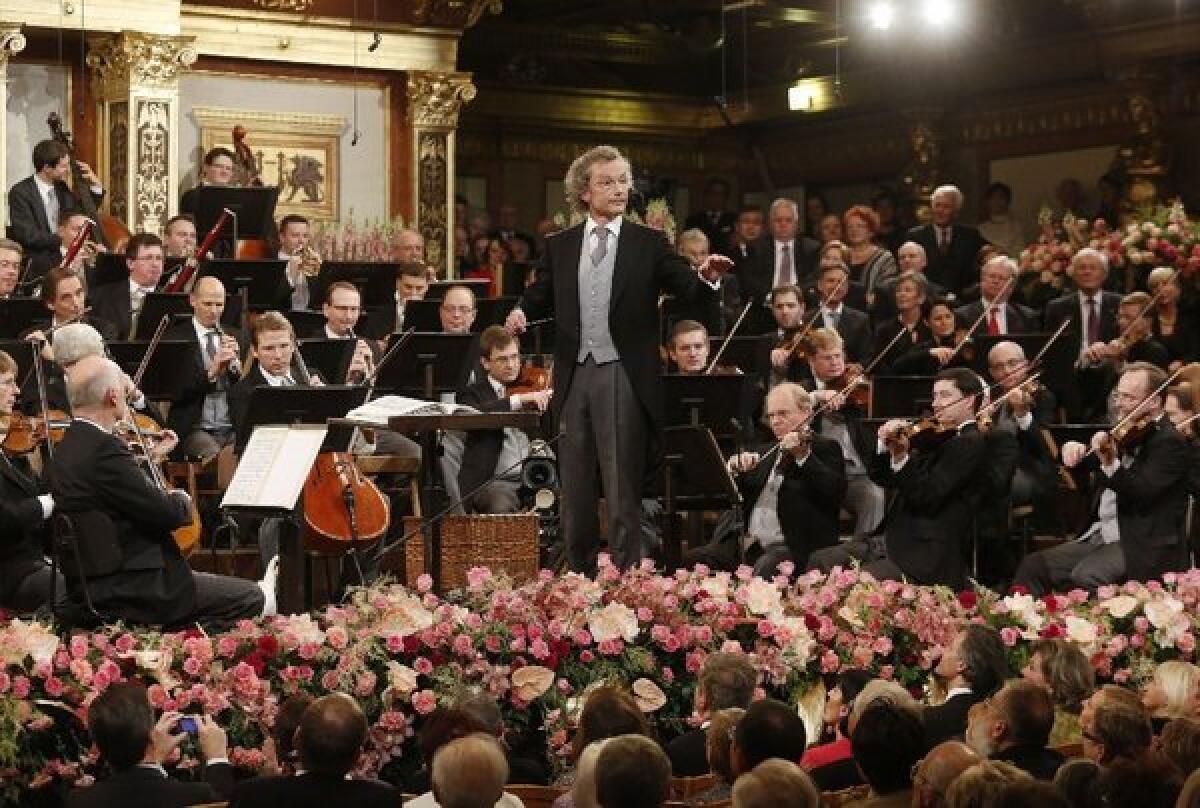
227 118
435 98
296 6
132 59
98 16
12 41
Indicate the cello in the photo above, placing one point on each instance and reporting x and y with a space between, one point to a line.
111 232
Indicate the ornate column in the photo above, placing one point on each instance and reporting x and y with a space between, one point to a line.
136 84
12 42
1145 157
923 172
434 100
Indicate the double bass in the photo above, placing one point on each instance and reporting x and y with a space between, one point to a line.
249 249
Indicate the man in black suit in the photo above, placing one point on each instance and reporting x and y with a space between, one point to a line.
200 412
782 258
272 345
121 723
747 230
792 497
852 325
937 491
716 222
726 681
1014 726
133 568
217 170
24 574
1138 501
36 203
950 248
776 358
1092 313
120 302
971 668
601 281
492 452
330 738
997 280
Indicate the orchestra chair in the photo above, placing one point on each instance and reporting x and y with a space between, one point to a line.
75 560
536 796
374 465
684 788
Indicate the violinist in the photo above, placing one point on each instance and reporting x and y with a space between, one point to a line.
134 570
120 303
12 258
910 294
25 576
792 497
1140 474
494 456
778 357
1136 342
937 490
36 204
852 325
841 421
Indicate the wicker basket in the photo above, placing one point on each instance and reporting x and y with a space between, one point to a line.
501 542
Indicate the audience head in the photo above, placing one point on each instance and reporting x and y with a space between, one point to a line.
121 723
457 311
830 228
718 741
769 729
64 293
1028 794
783 219
998 198
179 236
583 789
287 722
815 209
52 161
410 247
911 291
945 202
860 224
11 257
934 773
144 258
218 166
882 691
1180 741
1077 781
749 224
632 771
787 304
598 182
1106 695
1020 714
608 712
484 709
693 245
726 680
273 342
688 347
839 700
1148 781
974 786
1117 731
470 772
331 734
788 407
976 657
716 194
443 725
911 257
887 741
1172 690
776 783
74 342
1089 269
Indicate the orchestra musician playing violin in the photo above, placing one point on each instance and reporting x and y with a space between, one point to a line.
25 575
778 357
947 345
1140 488
792 495
133 567
494 456
841 420
935 468
1135 342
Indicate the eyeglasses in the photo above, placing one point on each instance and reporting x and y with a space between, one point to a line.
458 309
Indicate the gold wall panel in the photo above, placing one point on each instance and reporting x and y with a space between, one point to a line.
148 16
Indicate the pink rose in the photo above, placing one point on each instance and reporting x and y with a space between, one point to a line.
1010 636
54 687
424 702
337 637
124 644
423 666
329 680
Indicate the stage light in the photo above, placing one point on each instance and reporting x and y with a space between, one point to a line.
940 13
802 96
881 15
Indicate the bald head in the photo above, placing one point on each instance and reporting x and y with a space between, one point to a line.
208 301
95 388
941 767
410 246
470 772
331 733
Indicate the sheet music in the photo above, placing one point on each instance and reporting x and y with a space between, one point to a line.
383 408
274 466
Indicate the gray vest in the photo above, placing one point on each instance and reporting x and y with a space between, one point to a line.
595 292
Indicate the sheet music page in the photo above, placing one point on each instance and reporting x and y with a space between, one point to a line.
384 407
274 466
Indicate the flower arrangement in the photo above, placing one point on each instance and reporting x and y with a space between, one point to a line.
1166 238
1047 260
539 647
350 240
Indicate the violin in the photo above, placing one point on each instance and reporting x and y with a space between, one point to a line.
927 434
854 385
531 379
140 425
1127 436
25 433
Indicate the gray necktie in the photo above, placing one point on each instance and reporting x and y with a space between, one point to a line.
601 245
52 209
783 274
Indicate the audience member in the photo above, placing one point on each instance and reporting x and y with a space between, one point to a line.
977 783
1149 780
934 773
887 742
1189 797
443 725
726 680
1115 732
1077 780
121 723
776 784
842 774
632 771
1059 666
838 703
769 729
330 738
522 768
1014 726
719 745
470 772
607 712
583 790
1171 692
1180 741
283 757
972 667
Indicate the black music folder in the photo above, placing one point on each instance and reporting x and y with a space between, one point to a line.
437 289
157 305
711 401
900 396
262 280
328 357
375 281
19 314
284 406
741 352
165 374
429 364
253 209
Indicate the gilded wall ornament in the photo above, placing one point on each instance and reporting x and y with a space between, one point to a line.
118 148
152 170
434 99
433 193
12 42
132 59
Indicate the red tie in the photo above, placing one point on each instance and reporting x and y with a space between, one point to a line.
993 322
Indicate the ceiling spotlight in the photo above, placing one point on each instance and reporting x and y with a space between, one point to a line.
802 96
939 13
881 15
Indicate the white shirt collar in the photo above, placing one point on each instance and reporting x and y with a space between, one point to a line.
614 226
956 691
330 335
44 188
497 386
201 330
836 308
1083 298
272 379
135 288
153 767
103 429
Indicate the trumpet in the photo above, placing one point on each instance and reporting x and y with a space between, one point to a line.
310 260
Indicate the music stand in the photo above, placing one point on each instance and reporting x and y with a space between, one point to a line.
741 352
437 289
492 311
329 357
21 352
262 280
156 306
712 401
1057 365
282 406
429 364
694 478
375 281
307 324
423 315
19 314
900 396
513 283
111 268
253 210
165 374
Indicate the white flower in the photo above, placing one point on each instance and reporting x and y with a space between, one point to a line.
616 621
302 627
402 681
1120 606
799 642
1080 631
1161 613
404 616
155 663
22 639
717 586
762 598
649 696
531 681
1025 608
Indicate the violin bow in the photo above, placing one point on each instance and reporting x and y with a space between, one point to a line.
1149 305
970 332
1134 412
725 343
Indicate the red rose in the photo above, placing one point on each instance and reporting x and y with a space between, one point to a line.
968 599
811 622
256 661
1051 604
412 644
268 645
1018 589
1051 632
